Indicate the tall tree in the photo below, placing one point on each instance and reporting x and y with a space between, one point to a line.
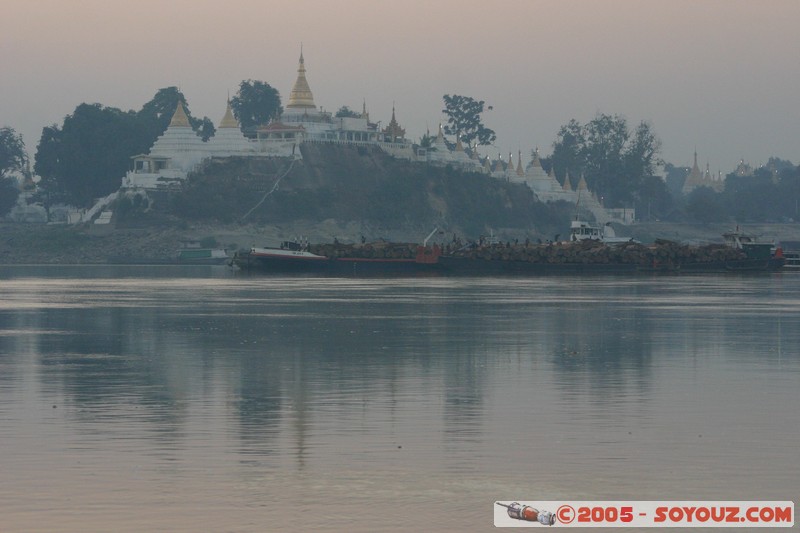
568 150
255 104
9 192
157 113
90 153
87 156
613 159
13 157
464 120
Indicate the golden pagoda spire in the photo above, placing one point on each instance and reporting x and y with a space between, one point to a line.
179 119
475 152
301 97
520 172
498 165
536 162
229 121
459 146
567 185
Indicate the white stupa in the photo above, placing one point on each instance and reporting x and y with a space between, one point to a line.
229 140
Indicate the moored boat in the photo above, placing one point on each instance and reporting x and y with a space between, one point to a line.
373 259
578 256
203 256
580 230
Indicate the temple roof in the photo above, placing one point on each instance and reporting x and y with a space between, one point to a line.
301 96
179 119
394 128
229 121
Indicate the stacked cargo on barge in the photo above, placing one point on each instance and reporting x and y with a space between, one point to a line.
574 257
591 256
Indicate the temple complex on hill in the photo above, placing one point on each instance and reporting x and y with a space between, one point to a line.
179 150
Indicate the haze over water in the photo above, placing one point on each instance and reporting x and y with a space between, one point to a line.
187 399
716 76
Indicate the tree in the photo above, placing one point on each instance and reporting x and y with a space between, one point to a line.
88 155
654 200
705 205
568 150
464 120
156 115
614 160
255 103
9 192
426 141
346 112
13 157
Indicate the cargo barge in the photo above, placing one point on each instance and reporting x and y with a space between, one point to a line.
581 256
342 260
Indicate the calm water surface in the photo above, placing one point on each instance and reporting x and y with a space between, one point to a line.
191 399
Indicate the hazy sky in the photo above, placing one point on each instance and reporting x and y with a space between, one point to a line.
721 75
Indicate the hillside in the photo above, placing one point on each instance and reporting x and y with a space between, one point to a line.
362 187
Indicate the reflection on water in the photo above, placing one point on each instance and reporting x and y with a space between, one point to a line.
188 398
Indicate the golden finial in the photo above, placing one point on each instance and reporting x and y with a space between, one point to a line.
180 119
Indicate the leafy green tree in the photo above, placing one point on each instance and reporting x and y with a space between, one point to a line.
9 192
464 120
654 201
156 115
346 112
427 141
568 153
87 156
705 205
613 159
13 157
675 178
255 104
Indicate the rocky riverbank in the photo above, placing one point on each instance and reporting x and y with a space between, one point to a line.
55 244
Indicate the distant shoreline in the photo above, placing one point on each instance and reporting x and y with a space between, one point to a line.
22 244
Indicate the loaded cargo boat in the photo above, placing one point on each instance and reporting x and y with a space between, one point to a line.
580 256
380 258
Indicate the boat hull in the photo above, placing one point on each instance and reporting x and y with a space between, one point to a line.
325 266
462 266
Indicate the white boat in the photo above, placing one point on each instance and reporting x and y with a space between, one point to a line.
580 230
791 260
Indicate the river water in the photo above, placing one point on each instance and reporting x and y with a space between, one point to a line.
192 399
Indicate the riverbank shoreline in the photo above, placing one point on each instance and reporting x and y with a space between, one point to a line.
60 244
